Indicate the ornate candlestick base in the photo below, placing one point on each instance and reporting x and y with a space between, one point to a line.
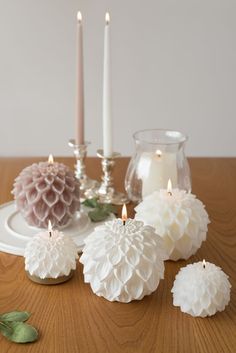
88 187
107 192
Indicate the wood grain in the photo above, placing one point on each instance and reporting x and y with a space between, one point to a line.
71 319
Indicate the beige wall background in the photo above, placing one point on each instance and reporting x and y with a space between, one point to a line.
174 66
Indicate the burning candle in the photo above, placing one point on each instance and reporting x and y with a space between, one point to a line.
50 257
155 169
124 214
169 187
107 119
201 289
178 217
47 190
79 121
123 259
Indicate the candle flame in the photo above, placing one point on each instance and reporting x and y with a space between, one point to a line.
169 187
107 18
49 226
124 213
204 263
79 16
50 159
158 153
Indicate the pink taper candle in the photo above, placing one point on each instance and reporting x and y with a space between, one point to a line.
79 121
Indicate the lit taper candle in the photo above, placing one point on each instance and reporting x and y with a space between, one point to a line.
107 119
79 121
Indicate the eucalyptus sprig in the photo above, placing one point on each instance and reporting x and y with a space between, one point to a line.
100 210
14 328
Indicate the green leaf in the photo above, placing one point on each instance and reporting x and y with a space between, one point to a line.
19 332
91 203
15 316
98 215
109 208
100 210
5 329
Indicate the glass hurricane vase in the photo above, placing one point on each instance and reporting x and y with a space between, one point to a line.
159 156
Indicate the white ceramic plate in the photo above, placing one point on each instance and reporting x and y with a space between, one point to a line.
15 232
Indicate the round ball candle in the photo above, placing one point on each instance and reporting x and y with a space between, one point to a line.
47 191
178 217
201 289
123 260
50 257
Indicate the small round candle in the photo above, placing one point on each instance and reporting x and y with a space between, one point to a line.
50 257
201 289
47 191
123 260
178 217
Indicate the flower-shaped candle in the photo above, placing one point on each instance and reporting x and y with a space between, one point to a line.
201 289
178 217
50 257
47 191
123 260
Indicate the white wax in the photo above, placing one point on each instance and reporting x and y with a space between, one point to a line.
155 171
107 120
50 256
79 120
201 291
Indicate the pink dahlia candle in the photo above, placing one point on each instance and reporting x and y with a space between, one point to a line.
47 191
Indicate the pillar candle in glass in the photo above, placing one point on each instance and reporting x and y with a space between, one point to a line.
155 168
159 156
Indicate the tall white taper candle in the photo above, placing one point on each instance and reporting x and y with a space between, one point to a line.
79 120
107 119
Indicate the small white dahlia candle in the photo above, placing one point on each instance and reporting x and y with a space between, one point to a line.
178 217
201 289
123 260
50 257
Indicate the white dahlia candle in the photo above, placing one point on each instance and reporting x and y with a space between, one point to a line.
178 217
50 257
201 289
123 260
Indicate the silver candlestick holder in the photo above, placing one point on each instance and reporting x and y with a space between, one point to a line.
88 187
106 191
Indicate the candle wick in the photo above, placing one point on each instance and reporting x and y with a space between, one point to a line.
50 234
170 193
204 266
123 222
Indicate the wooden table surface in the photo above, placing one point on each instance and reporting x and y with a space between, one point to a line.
71 319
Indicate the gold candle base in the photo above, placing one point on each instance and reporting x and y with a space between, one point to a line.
50 281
